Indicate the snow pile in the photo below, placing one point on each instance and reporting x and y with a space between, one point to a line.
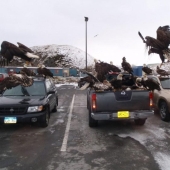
74 57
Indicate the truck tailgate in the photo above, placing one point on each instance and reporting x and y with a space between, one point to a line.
122 101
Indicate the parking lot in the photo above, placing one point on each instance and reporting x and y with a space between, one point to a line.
68 143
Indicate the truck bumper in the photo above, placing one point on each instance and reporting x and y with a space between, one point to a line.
141 114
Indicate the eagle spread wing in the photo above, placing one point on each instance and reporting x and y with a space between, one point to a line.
24 48
163 35
14 80
9 50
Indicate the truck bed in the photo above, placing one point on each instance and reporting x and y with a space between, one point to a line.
110 105
122 100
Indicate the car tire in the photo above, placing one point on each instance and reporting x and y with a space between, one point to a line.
163 111
92 122
45 119
55 107
140 122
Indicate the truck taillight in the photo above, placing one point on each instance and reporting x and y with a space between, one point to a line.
151 98
93 101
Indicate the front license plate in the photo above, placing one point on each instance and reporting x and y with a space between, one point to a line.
123 114
10 120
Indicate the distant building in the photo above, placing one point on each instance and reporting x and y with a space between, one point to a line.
57 71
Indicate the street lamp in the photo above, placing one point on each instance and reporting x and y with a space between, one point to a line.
86 19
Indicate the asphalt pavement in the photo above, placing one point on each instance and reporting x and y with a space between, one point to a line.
68 143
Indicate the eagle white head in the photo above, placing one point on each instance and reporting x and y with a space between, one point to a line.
95 60
139 79
144 65
43 66
119 77
145 77
25 65
111 62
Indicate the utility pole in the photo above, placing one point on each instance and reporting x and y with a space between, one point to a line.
86 19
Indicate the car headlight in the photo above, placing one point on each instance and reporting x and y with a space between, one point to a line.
35 109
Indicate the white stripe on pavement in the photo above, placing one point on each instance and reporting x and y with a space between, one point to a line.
64 144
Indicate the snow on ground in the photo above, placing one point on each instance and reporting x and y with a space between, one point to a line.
60 81
157 136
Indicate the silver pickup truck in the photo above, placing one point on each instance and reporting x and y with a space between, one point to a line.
118 105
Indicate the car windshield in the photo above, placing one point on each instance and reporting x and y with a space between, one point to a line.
37 89
165 83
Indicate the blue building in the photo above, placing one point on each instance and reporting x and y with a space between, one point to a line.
57 71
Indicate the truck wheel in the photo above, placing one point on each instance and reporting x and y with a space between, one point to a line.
92 122
140 121
45 120
163 111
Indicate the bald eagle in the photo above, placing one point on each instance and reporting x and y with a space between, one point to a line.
42 70
160 44
151 83
126 66
94 83
102 68
27 71
9 50
146 69
161 72
117 82
14 80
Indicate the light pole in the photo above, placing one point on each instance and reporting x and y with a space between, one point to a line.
86 19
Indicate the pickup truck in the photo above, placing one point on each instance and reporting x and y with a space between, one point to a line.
119 105
29 104
161 99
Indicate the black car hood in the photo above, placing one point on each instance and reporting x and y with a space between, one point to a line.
12 100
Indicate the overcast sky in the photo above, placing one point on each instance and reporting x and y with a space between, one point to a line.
115 22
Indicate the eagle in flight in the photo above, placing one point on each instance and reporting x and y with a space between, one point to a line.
14 80
160 44
9 50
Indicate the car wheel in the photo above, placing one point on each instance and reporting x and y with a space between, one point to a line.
45 119
55 107
140 121
92 122
163 111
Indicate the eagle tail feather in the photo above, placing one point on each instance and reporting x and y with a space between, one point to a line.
32 55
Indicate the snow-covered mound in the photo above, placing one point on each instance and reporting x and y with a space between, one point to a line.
62 56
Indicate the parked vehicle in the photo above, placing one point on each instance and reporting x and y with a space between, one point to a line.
119 105
29 104
161 99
